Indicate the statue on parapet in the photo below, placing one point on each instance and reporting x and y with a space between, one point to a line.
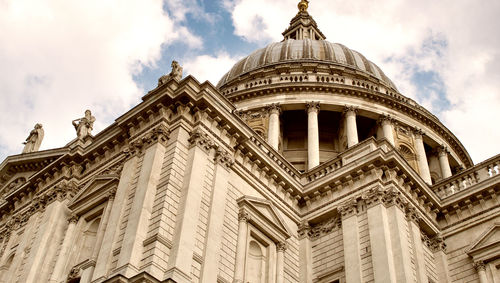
34 140
175 74
84 125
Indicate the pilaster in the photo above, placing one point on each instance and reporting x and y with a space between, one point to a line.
153 148
416 240
181 255
62 259
223 163
350 237
111 232
380 238
480 268
239 267
305 253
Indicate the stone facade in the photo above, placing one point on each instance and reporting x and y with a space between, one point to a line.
294 171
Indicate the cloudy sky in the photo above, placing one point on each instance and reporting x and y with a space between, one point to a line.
60 57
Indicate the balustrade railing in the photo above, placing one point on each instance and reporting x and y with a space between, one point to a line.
468 178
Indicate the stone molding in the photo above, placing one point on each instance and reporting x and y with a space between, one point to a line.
312 106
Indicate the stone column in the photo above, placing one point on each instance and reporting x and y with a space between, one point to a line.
351 130
280 262
223 163
305 256
387 128
312 134
89 271
481 271
380 239
62 259
416 240
241 248
273 133
443 162
350 237
423 165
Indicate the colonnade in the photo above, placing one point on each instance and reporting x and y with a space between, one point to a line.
351 134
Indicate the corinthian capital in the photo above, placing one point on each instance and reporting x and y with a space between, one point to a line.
350 110
223 158
200 139
479 265
243 216
385 119
312 106
303 230
274 108
348 208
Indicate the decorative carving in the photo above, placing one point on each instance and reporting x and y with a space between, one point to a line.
243 216
73 218
73 274
437 244
281 246
385 119
312 106
200 139
418 133
274 108
111 194
159 134
325 227
479 265
34 140
223 158
412 215
392 197
84 125
348 208
175 74
442 150
303 230
349 110
116 169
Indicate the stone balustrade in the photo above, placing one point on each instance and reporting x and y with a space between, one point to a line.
464 180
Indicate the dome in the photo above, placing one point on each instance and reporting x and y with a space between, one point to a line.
305 50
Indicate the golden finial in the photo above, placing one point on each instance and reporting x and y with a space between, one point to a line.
303 4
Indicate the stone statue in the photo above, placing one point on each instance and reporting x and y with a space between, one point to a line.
83 126
34 140
175 74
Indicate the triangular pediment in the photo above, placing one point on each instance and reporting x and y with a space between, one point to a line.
264 214
487 245
94 192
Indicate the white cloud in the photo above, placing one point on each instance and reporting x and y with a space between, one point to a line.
211 68
457 39
59 58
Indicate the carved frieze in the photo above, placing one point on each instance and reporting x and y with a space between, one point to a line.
325 227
